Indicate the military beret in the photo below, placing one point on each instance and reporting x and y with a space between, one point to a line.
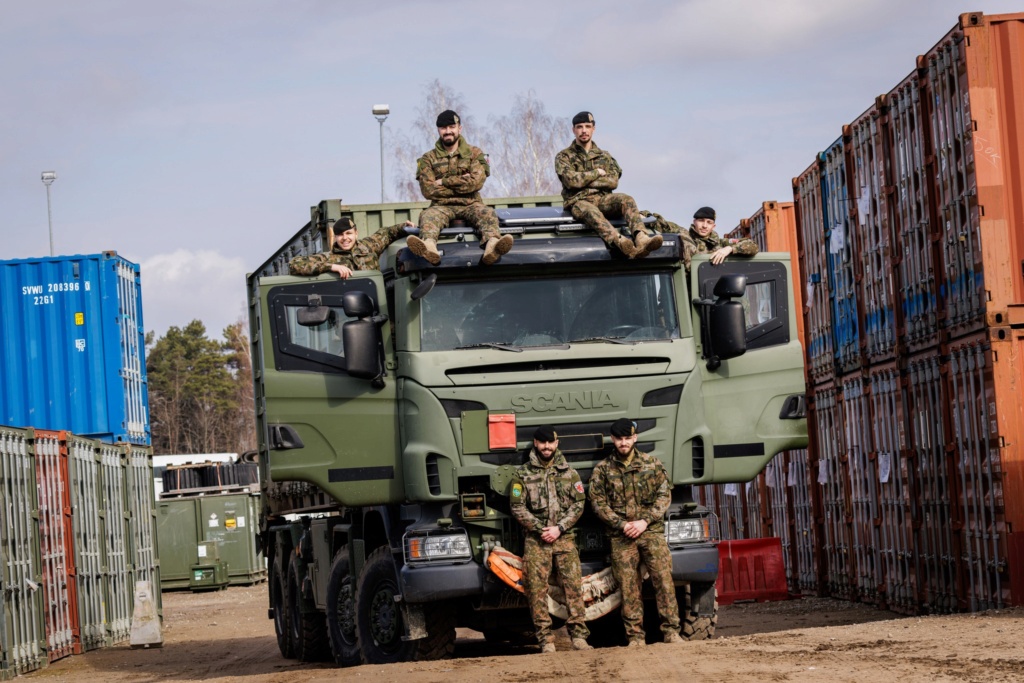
583 117
623 427
447 118
545 434
705 212
343 224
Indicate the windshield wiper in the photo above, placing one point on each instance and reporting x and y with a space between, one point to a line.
610 340
491 345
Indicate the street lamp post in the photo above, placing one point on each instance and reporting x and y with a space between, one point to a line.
380 112
48 177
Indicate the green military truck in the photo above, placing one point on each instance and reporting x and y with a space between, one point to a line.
393 407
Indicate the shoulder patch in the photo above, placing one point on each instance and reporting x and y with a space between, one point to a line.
517 490
579 487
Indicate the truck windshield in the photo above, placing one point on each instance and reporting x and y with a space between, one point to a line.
516 314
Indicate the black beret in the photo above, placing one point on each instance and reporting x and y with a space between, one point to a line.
447 118
705 212
545 434
343 224
583 117
623 427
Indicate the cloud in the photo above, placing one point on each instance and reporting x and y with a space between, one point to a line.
185 285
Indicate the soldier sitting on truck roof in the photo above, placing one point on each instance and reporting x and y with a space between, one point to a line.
348 252
588 175
701 237
451 176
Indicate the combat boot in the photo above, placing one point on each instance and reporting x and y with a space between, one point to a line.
645 244
424 248
548 648
673 638
496 248
581 644
627 247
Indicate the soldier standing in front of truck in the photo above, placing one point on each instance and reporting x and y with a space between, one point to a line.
547 499
451 176
348 252
630 492
588 175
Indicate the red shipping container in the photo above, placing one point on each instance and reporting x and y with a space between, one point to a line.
56 538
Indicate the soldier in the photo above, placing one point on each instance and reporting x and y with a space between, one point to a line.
547 499
701 238
451 176
588 175
630 492
348 252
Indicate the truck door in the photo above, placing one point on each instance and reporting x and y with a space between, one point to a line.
322 425
753 403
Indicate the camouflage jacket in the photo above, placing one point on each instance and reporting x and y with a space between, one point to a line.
622 493
577 169
462 174
364 254
546 496
692 243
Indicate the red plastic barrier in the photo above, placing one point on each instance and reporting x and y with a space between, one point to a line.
751 569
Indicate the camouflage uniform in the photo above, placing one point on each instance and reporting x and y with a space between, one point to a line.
692 243
542 496
589 196
629 491
364 254
458 197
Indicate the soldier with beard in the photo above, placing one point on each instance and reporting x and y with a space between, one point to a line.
547 499
630 491
451 176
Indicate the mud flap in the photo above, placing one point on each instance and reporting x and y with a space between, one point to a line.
702 599
415 622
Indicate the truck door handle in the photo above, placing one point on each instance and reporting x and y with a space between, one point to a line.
795 407
285 438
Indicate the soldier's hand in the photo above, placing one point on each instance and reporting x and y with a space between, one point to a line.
409 224
550 534
634 529
439 182
601 171
344 272
720 255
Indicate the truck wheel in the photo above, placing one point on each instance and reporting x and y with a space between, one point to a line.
693 627
308 629
279 603
440 640
341 612
378 615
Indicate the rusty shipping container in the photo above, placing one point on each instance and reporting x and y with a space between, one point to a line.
63 636
972 88
812 249
841 259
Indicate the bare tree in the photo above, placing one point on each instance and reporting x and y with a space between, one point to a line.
522 147
407 148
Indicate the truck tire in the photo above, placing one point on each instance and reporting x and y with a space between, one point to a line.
341 612
379 617
692 627
279 603
308 628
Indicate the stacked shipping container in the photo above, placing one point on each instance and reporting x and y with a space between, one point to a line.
910 223
79 531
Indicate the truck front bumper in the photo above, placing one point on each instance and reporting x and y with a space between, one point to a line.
428 583
697 564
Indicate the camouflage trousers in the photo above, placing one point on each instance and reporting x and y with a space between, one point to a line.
537 562
434 219
594 212
652 548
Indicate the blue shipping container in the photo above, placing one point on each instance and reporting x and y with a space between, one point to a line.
72 347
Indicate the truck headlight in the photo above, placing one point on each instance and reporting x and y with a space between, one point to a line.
433 547
691 530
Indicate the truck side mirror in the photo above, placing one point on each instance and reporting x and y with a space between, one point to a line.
314 314
723 328
364 346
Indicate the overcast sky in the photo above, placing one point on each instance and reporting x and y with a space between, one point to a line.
193 136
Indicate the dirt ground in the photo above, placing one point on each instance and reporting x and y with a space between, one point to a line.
226 637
